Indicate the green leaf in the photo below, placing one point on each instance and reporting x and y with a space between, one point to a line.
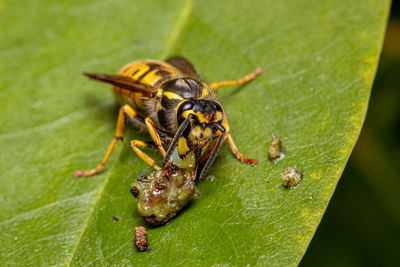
319 59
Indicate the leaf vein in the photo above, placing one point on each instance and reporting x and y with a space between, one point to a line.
96 202
176 30
39 209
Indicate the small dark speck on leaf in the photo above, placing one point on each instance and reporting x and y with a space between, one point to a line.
116 218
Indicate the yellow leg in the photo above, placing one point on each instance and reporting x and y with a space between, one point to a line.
151 127
238 154
245 79
125 110
135 144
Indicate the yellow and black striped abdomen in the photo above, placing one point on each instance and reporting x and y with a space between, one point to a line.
151 72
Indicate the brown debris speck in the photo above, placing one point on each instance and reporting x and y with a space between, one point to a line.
116 218
275 150
291 177
141 239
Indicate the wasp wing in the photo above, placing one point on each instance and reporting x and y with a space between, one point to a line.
125 83
184 66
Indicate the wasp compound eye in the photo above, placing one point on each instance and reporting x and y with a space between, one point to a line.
187 105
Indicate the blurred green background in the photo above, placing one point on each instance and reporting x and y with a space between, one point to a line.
362 224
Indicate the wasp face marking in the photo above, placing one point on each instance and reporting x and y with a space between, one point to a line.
183 148
199 135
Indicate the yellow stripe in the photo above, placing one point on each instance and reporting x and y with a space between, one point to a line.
159 92
218 116
172 95
151 77
182 147
158 107
198 114
204 92
142 70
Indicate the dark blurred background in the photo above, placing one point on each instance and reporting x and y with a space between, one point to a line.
362 224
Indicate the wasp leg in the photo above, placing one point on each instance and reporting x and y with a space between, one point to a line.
238 154
124 111
135 144
245 79
152 128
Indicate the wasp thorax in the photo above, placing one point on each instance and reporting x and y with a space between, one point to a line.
199 135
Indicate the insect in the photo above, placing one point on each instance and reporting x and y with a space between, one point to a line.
177 108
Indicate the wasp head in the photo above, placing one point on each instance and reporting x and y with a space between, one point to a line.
204 114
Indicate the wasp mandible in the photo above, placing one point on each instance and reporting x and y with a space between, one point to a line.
177 108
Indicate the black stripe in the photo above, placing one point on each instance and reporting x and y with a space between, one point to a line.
151 68
136 71
164 75
143 75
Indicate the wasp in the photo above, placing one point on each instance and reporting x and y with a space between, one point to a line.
176 107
